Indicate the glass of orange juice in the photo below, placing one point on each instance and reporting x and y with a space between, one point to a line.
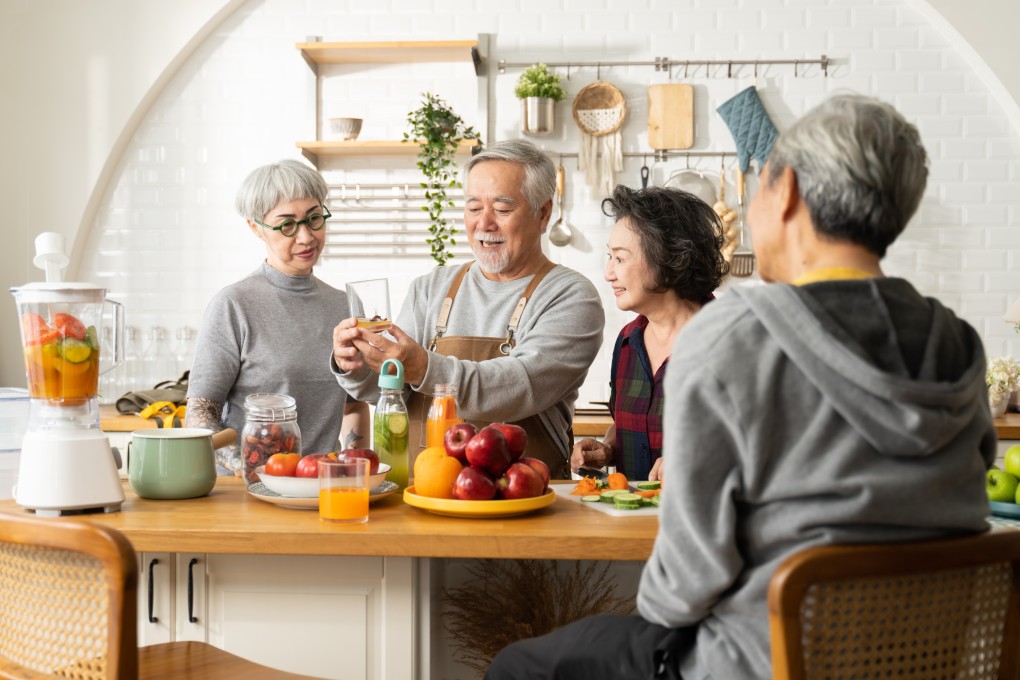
370 303
343 490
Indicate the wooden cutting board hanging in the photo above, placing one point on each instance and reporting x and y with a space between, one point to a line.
670 116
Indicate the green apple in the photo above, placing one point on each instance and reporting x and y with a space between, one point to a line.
1001 486
1012 460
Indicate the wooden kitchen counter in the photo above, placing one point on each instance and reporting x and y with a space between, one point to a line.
230 521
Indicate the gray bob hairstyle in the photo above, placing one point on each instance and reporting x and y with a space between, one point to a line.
268 186
861 169
539 171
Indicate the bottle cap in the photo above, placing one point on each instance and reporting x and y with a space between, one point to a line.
391 382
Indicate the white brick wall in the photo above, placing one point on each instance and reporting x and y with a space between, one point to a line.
167 238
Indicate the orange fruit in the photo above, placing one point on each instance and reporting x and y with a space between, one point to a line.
435 473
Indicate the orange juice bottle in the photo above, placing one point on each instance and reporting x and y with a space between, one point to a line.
343 503
442 414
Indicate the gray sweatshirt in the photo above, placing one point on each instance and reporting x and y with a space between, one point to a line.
271 332
557 340
838 412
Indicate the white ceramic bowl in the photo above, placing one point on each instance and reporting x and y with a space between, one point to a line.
308 487
345 128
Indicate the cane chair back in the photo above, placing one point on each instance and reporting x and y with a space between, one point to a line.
933 609
66 589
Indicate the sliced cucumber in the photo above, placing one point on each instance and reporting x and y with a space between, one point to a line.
627 497
608 495
649 486
76 351
591 498
627 506
656 501
92 337
397 424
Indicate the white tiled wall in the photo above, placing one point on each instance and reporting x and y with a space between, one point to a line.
167 238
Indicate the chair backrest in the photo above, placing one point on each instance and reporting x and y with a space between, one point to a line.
932 609
68 599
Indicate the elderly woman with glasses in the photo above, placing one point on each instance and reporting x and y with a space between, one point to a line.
266 332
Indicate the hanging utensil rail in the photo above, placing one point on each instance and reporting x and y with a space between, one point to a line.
667 64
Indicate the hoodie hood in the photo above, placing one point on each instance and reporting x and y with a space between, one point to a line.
907 381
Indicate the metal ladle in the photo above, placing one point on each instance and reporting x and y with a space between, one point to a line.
559 233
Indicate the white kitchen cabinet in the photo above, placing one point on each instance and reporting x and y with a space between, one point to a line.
332 617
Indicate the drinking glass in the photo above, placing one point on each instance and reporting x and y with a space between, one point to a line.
370 303
343 490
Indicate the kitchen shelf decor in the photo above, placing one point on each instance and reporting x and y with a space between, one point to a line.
438 132
538 90
317 54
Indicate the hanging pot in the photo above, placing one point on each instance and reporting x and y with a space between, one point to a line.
538 116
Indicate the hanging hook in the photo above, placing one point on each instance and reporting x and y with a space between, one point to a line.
729 69
687 65
795 65
598 71
568 71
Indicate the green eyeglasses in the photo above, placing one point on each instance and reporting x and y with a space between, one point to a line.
290 227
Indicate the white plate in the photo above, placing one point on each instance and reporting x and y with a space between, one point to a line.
307 487
563 491
262 493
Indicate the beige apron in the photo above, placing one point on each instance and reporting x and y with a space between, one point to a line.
472 348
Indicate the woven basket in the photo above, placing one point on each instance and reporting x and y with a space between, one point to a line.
599 109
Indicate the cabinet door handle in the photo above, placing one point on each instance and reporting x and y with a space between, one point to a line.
152 565
191 590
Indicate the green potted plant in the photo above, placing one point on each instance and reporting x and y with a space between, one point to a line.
438 132
539 90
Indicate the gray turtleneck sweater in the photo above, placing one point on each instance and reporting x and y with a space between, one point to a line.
271 332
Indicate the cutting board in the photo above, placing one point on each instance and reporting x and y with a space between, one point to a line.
563 491
671 116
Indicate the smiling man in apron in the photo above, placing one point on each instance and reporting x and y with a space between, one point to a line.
512 331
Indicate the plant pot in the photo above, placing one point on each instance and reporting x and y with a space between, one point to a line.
538 116
998 407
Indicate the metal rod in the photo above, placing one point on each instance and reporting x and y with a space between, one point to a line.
665 63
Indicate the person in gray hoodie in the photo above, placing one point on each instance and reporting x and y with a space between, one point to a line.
834 405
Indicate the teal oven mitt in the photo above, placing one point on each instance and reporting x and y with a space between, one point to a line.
751 127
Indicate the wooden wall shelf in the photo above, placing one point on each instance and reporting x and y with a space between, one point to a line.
313 150
390 52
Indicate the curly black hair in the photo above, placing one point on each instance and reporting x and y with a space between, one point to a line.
681 237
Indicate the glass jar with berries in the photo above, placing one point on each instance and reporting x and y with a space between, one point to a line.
270 427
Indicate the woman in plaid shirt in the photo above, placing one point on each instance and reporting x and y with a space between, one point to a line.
664 262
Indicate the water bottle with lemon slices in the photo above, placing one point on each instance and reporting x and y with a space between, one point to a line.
390 431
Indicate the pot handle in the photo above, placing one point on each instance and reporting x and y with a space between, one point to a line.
224 438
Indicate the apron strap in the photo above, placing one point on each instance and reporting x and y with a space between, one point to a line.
515 318
444 310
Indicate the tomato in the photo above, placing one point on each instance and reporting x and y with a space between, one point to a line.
69 326
283 464
36 331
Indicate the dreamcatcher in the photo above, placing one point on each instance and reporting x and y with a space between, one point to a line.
599 111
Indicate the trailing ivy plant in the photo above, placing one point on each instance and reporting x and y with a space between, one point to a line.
537 81
438 132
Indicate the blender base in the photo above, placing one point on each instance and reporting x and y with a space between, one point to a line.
64 472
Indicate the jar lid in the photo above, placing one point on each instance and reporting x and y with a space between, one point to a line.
264 406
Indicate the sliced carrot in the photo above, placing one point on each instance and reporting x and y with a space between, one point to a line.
586 486
648 494
617 480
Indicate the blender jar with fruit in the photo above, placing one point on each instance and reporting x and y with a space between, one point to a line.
66 460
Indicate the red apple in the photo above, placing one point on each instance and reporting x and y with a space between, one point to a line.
487 451
308 466
538 466
362 453
456 440
520 481
473 485
516 439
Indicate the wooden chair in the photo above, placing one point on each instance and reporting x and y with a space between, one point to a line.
933 609
68 606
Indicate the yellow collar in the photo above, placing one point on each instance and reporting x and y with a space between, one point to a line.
832 274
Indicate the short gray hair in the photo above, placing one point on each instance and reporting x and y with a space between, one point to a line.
539 171
861 169
268 186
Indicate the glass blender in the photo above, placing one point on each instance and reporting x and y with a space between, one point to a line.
66 463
